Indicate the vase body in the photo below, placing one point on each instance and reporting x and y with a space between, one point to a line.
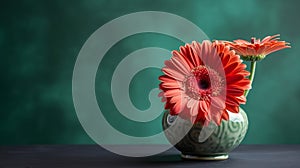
197 142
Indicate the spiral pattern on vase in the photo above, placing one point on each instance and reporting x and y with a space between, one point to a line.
224 139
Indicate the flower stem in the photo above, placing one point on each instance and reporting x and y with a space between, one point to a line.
251 77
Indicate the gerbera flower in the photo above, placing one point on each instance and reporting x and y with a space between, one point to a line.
257 50
202 81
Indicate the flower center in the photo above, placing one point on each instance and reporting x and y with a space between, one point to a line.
202 83
255 41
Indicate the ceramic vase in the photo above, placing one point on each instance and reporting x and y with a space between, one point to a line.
205 143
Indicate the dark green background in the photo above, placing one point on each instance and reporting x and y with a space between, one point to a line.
40 40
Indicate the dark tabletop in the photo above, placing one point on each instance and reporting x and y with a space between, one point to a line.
254 156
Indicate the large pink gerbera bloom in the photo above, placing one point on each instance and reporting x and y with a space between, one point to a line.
202 81
257 49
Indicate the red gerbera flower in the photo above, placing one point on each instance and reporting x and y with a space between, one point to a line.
203 81
256 49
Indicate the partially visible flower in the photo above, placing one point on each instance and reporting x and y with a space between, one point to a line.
257 49
203 81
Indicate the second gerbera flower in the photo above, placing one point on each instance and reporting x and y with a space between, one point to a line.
257 49
203 81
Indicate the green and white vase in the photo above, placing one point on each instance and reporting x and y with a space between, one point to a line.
210 143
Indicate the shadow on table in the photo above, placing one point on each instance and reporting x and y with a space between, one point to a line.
171 159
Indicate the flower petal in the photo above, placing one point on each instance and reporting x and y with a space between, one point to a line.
173 73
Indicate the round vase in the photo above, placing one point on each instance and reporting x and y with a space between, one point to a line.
197 142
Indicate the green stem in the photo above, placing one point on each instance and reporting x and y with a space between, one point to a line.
251 77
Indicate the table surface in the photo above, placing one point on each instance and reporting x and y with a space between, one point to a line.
254 156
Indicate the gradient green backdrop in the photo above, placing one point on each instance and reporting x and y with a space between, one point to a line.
40 40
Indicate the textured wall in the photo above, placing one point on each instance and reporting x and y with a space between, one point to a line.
40 40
